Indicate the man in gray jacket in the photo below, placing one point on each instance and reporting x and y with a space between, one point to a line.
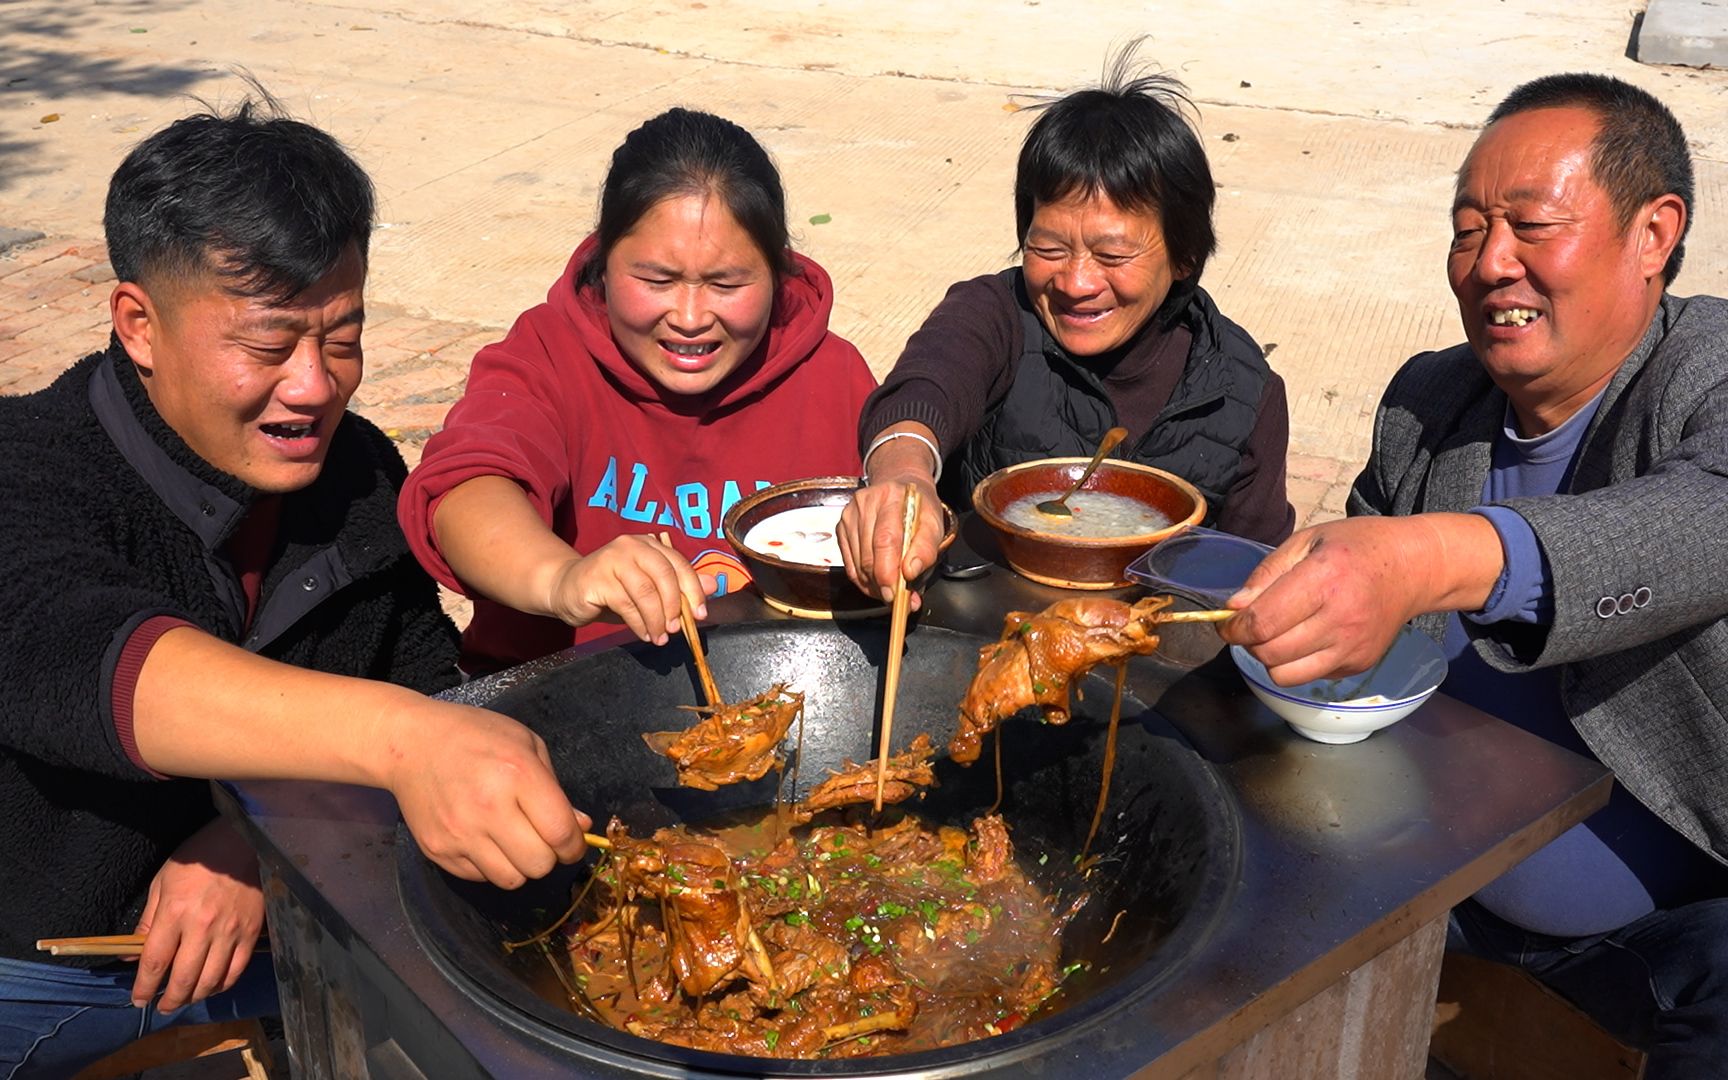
1551 502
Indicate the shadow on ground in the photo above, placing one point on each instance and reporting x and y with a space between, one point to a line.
40 64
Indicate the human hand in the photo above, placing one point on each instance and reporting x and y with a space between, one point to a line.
1330 600
478 793
201 919
633 577
872 533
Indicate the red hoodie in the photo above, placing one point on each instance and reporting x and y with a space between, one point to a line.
602 452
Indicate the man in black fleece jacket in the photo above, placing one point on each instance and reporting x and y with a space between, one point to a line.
204 578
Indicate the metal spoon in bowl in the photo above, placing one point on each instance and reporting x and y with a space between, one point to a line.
1056 507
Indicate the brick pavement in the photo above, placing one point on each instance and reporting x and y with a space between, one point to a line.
54 309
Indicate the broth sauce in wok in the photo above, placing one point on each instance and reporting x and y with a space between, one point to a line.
861 940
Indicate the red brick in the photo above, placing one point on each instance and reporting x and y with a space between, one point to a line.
46 292
391 331
435 379
26 319
462 350
92 250
81 345
61 266
89 298
30 382
10 347
381 360
12 300
22 258
39 357
100 273
65 326
405 419
435 336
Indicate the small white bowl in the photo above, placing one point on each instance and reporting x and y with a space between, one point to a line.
1347 710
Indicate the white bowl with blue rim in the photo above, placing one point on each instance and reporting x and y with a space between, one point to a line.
1350 709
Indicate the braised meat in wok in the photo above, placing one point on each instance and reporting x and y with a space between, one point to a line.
1041 655
731 742
836 941
908 774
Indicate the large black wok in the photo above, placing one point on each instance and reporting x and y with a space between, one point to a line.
1168 842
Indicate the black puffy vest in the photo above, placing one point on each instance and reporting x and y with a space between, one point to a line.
1056 407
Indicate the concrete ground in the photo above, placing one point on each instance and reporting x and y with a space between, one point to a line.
1334 127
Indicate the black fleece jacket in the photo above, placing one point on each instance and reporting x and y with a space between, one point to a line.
108 518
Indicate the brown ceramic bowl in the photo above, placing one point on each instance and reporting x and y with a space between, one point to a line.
804 589
1082 562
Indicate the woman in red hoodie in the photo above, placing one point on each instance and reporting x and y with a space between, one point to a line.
682 361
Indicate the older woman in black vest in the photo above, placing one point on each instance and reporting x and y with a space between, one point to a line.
1102 324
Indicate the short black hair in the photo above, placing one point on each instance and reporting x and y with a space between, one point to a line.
1131 139
265 202
1640 151
685 152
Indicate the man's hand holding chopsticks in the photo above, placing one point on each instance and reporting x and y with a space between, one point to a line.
201 921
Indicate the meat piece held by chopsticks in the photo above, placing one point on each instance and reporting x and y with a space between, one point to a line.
731 742
1040 656
908 772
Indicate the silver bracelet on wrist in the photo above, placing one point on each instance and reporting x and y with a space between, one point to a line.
882 440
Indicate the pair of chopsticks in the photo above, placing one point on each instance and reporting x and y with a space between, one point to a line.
123 945
132 945
1194 616
687 619
899 612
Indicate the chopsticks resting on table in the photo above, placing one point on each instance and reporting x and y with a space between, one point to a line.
687 618
898 614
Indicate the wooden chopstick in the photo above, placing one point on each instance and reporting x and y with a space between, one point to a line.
709 688
106 945
133 944
1193 616
687 619
110 945
898 614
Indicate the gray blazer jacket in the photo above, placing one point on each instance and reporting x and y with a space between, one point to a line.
1637 550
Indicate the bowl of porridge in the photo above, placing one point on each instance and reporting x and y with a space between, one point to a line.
1122 510
786 537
